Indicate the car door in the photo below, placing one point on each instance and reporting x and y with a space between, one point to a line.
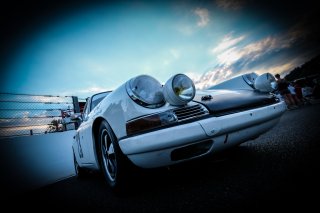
86 148
84 136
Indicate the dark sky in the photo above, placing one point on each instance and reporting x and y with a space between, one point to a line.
19 18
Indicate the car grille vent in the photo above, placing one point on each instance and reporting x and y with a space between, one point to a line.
190 112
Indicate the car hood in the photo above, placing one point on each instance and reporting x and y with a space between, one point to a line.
221 102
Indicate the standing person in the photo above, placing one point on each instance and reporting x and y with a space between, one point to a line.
293 94
298 89
284 92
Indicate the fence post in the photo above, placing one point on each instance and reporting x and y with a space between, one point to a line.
76 107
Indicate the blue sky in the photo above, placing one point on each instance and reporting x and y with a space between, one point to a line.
99 46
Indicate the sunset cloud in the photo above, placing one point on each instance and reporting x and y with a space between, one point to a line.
235 58
278 68
227 42
229 53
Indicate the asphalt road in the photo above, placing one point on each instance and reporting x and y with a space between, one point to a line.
277 171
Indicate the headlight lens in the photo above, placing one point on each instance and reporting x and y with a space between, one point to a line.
265 82
145 91
179 90
250 78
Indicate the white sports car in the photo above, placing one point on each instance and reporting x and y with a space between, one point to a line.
153 125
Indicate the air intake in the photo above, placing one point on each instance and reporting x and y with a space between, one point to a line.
190 112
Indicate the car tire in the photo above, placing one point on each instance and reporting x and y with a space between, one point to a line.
113 162
79 171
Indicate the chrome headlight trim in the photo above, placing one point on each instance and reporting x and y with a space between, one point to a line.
265 83
146 91
179 90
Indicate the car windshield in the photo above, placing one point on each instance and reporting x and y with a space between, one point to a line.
97 98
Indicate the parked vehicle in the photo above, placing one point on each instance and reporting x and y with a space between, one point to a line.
151 125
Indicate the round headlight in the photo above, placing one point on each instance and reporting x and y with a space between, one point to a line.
145 91
179 90
265 82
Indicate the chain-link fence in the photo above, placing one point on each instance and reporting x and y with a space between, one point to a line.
23 114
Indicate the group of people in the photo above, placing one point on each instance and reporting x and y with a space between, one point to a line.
292 93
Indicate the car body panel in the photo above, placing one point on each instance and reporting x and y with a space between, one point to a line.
236 121
240 127
163 157
245 81
224 101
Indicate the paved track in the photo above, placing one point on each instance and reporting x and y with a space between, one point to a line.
275 171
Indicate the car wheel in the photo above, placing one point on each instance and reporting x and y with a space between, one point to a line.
112 161
79 172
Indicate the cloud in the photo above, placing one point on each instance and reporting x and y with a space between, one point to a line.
203 20
195 76
229 56
250 52
230 4
203 14
213 76
278 68
269 54
227 42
